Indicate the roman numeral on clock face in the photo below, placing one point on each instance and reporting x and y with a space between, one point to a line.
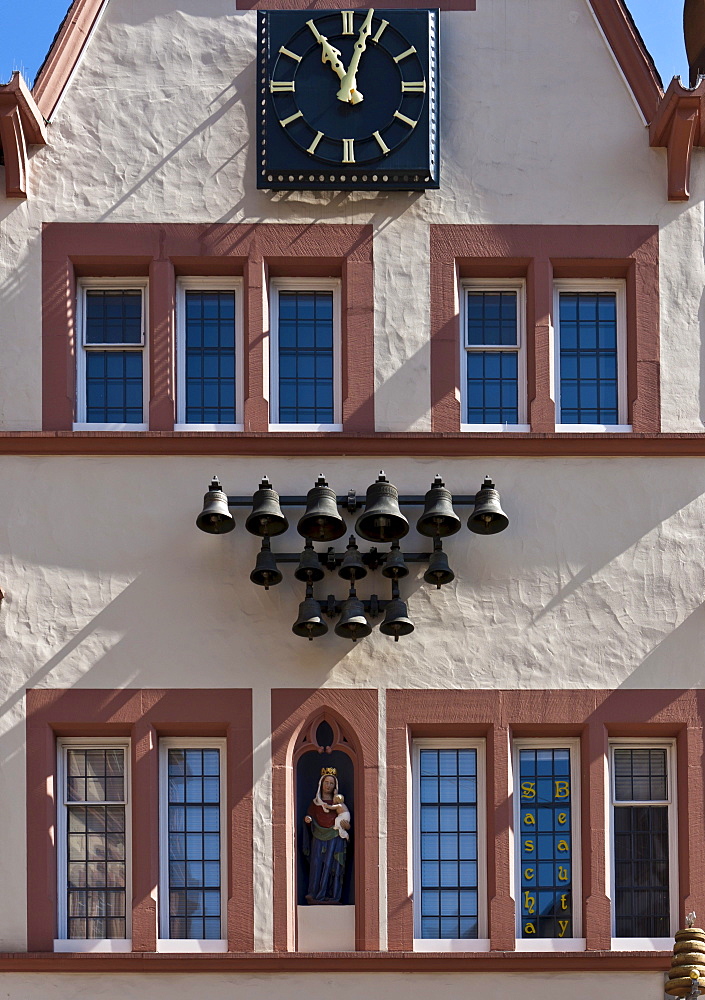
403 118
292 118
312 147
348 150
282 87
413 87
403 55
347 16
287 52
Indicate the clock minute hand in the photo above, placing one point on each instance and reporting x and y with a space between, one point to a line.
329 52
348 90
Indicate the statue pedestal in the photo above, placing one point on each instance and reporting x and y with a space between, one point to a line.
326 928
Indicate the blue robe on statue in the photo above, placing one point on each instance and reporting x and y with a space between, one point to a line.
326 853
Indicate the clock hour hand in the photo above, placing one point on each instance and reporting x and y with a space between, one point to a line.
348 85
329 52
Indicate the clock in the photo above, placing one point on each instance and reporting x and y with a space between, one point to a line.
347 99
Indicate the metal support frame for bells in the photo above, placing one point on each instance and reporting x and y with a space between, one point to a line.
381 521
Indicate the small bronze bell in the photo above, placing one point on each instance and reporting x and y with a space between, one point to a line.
266 516
215 518
396 620
352 623
382 521
321 520
438 572
265 574
309 569
438 519
309 625
394 566
352 566
487 517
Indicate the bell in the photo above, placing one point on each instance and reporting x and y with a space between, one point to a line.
394 565
352 623
439 572
382 521
309 625
321 520
265 574
309 569
438 519
266 516
352 566
396 620
487 518
215 518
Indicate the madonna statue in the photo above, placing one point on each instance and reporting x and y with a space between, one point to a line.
325 841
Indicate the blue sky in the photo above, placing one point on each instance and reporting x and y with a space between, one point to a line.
28 28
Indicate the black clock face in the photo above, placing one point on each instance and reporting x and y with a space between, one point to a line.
348 92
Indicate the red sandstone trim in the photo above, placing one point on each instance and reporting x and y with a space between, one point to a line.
293 710
542 253
20 124
594 716
679 124
64 54
71 250
144 716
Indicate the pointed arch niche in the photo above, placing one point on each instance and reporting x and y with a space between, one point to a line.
311 730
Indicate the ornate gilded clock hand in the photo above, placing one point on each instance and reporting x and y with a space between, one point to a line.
348 90
329 52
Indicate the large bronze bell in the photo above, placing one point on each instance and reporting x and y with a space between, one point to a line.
382 521
487 517
396 620
266 516
438 572
321 520
352 623
352 566
215 518
438 519
265 574
394 566
309 569
309 625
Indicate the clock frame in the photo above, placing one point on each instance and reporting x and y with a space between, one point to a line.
347 100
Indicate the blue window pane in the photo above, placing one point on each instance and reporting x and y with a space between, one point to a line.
306 357
588 357
113 316
114 387
492 319
210 357
492 387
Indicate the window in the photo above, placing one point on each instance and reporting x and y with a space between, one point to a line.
449 872
643 840
591 354
547 843
305 354
493 365
111 377
193 886
209 353
93 843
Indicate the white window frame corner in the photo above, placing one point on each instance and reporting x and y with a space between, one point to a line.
284 284
127 284
190 945
618 285
222 283
482 942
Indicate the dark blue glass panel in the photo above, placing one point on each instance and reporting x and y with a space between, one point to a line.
588 357
114 387
210 357
448 824
492 319
306 358
493 387
194 883
113 317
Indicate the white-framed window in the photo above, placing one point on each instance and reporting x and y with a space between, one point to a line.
209 354
93 845
493 355
590 355
643 843
112 376
193 869
449 842
547 877
305 354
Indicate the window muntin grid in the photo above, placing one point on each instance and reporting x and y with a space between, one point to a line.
114 387
305 363
492 346
113 316
95 842
210 356
588 357
545 843
448 833
194 842
642 906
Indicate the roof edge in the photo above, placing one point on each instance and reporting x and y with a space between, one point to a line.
64 54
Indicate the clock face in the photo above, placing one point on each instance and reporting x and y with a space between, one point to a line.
348 99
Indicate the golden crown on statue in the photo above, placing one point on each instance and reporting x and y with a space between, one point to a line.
329 770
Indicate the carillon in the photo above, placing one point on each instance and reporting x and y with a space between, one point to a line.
381 521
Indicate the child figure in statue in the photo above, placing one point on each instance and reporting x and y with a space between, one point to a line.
325 837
